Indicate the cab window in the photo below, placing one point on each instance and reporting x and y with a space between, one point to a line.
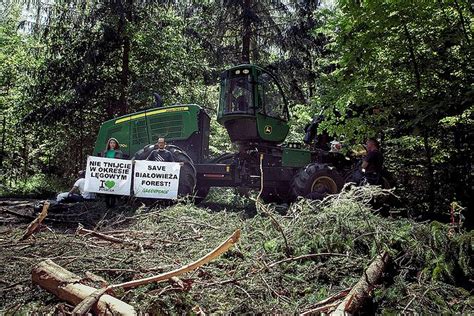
238 98
272 98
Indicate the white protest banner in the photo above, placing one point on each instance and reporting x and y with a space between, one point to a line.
108 176
155 179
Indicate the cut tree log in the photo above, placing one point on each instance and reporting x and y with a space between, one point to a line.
65 285
356 298
327 304
84 306
190 267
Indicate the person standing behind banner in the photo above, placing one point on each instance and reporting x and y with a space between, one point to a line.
77 193
160 153
112 149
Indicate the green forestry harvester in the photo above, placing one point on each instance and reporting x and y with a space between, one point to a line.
255 113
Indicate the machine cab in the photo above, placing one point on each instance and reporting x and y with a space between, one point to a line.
252 106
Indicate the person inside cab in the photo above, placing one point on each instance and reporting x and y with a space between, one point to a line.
241 104
239 95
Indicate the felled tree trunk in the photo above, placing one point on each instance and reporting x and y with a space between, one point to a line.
362 290
66 286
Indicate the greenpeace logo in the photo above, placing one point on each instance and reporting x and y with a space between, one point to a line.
157 191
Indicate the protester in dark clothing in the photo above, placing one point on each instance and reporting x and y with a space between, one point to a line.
160 153
371 169
112 150
373 162
323 141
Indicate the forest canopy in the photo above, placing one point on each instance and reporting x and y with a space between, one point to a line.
400 71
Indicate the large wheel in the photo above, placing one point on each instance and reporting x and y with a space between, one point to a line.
316 179
143 153
187 174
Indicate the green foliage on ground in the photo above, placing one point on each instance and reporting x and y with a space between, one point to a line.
429 270
38 185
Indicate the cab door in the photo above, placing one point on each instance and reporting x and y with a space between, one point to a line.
273 116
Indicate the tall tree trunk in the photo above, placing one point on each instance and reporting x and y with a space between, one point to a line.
254 49
457 177
125 18
414 62
76 170
4 130
461 18
2 153
462 170
430 170
297 92
38 19
25 156
123 106
246 31
426 143
311 75
81 135
124 76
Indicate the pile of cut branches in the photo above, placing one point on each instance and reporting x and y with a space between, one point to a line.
303 260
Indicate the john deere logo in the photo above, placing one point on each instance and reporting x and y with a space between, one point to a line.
268 129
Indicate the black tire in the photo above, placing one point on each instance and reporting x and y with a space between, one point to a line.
224 158
349 176
143 153
318 178
187 174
